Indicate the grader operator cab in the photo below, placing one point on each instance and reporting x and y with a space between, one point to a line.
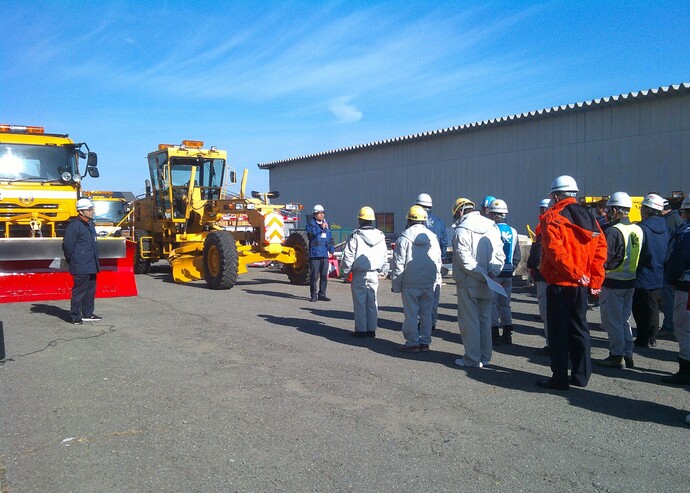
40 182
180 219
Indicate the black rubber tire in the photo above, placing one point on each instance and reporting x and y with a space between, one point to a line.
141 265
298 273
221 261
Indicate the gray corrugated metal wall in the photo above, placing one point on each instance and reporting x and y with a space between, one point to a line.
637 146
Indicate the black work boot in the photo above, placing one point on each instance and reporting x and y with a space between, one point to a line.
680 378
507 337
495 336
611 362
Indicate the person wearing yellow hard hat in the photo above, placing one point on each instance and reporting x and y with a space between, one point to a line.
417 260
365 256
477 254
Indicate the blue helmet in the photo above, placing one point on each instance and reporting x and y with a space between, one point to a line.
487 200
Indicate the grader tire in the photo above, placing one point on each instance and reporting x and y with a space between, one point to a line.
141 265
221 261
298 273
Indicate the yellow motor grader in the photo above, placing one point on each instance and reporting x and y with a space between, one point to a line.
184 218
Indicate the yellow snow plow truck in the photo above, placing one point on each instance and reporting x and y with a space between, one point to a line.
180 220
40 182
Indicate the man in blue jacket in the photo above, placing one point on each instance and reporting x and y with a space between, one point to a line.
320 250
650 271
677 272
81 252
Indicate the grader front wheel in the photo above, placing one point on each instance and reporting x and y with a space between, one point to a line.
221 261
298 273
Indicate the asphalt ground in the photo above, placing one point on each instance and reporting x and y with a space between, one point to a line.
256 389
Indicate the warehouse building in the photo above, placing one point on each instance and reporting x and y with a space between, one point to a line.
637 142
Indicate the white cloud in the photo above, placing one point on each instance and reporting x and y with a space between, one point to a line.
343 111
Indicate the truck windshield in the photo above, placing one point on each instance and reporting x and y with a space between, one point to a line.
108 211
32 162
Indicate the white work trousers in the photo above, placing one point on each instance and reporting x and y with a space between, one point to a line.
681 323
416 327
437 299
541 301
500 305
474 321
615 307
364 288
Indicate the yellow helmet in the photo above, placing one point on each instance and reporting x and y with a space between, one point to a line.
416 213
366 213
461 204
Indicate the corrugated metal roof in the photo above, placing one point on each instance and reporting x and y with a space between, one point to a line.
585 105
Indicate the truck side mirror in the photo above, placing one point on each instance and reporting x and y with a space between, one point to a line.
148 188
233 176
93 172
92 160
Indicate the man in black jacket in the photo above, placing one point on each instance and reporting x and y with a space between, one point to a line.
81 252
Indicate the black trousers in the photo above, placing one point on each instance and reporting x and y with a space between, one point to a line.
319 269
83 296
645 310
566 308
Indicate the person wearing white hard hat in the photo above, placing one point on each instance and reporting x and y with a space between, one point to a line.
673 222
80 247
438 227
650 271
501 313
572 262
477 255
624 244
677 273
321 249
365 255
533 266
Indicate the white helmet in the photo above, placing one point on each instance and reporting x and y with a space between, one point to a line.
424 200
621 200
686 204
653 201
498 206
564 183
545 203
84 204
317 208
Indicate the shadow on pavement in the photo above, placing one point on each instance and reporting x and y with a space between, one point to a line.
509 378
53 311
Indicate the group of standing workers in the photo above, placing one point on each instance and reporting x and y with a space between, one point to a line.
574 255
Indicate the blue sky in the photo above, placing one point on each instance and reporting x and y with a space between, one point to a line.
269 80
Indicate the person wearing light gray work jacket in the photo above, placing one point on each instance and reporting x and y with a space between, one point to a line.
417 260
365 255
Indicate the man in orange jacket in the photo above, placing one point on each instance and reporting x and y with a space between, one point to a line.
572 262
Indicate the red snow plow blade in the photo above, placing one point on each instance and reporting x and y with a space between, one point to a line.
34 269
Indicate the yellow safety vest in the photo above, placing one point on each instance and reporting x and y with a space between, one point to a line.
632 238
